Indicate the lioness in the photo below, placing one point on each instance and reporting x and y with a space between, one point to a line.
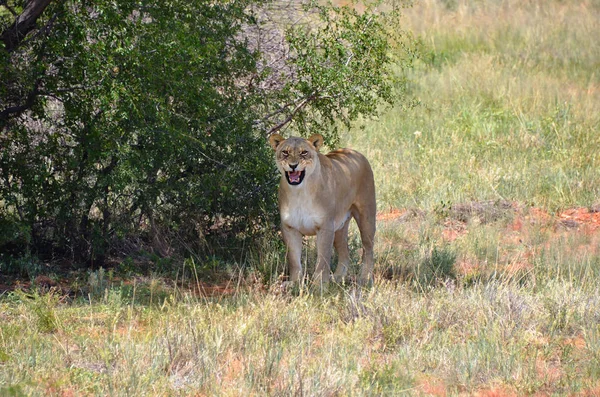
318 194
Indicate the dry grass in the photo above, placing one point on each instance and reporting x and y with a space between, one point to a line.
391 338
488 268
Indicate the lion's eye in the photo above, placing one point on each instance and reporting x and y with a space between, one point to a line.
304 153
285 153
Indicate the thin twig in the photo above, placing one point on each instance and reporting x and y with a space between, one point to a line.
294 112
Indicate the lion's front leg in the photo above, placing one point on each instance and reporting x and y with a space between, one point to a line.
293 241
340 243
325 238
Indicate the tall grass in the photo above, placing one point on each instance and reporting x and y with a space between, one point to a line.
509 97
490 299
387 340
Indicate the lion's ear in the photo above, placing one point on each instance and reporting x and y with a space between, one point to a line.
275 140
316 140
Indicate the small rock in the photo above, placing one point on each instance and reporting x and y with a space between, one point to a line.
569 223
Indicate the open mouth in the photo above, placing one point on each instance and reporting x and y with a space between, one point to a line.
295 177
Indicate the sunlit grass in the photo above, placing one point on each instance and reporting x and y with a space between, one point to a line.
509 108
387 339
478 288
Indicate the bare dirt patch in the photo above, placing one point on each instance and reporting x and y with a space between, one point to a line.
519 227
585 219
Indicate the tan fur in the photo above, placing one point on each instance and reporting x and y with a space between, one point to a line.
336 187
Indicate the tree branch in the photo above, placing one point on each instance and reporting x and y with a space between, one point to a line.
6 113
24 23
294 112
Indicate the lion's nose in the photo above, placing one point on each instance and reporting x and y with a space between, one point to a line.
293 166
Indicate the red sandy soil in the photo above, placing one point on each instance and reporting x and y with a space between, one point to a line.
573 221
574 217
580 219
589 220
390 215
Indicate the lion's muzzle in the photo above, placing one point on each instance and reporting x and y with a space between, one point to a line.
295 177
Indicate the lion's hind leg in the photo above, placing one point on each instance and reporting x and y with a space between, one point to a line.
365 218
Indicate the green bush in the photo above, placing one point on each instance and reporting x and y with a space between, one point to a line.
131 126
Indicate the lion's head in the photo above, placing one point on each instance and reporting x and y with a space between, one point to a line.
296 157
